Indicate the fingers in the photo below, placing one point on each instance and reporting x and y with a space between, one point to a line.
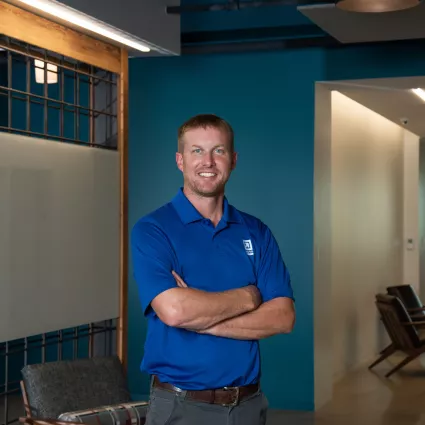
180 282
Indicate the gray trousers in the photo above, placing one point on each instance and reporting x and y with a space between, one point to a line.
167 408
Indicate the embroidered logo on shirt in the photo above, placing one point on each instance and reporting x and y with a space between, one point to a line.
248 246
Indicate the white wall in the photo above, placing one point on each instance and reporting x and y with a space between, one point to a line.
411 210
367 226
59 235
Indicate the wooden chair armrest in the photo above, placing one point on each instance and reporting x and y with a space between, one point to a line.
38 421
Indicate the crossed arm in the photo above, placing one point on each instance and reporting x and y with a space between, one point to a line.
273 317
237 313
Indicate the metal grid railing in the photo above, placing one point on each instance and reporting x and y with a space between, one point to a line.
46 95
94 339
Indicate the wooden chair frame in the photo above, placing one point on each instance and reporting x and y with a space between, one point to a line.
401 340
32 421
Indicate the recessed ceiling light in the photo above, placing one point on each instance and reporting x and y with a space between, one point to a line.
420 93
376 6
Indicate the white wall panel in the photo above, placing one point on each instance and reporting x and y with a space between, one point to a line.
59 235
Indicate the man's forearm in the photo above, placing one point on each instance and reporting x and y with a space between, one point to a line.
271 318
198 310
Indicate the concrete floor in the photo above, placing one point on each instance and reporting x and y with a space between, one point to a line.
366 397
362 397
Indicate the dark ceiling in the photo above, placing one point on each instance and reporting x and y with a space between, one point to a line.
206 22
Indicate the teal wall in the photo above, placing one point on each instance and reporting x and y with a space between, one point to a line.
269 99
273 121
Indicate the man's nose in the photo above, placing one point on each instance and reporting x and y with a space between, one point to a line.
209 159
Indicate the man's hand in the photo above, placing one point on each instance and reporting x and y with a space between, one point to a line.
180 282
255 295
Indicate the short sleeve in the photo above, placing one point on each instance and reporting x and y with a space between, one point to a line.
153 259
273 279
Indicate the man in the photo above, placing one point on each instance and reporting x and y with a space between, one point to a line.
212 284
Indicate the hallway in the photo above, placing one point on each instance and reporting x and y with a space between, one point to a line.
368 398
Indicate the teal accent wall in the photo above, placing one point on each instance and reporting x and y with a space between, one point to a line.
269 99
274 130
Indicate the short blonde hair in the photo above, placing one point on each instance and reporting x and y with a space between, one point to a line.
205 121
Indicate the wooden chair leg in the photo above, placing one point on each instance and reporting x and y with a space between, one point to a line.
385 349
386 352
25 399
404 362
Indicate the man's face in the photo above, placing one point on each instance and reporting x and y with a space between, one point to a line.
207 161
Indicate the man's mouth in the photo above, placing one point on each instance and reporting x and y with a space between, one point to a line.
207 174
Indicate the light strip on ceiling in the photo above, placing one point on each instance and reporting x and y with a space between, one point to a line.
420 93
61 11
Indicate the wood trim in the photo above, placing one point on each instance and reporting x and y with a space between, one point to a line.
25 399
30 28
123 150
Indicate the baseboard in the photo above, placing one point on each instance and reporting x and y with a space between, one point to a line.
363 365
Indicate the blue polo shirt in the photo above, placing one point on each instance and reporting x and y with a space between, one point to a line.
240 251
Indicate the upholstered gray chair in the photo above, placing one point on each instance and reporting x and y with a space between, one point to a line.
82 390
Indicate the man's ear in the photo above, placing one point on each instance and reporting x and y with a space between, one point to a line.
179 161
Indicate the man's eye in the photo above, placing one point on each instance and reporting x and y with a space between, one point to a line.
197 150
220 151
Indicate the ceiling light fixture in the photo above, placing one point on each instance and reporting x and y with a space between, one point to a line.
376 6
420 93
82 20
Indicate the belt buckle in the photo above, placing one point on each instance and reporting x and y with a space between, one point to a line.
236 400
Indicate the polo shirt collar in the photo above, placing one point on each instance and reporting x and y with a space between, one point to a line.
189 214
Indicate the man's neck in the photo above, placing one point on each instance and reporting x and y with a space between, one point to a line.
208 207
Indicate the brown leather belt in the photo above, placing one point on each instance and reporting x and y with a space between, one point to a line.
227 396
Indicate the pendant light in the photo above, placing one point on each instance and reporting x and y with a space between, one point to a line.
376 6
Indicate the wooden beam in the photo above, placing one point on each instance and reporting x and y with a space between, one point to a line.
25 26
123 150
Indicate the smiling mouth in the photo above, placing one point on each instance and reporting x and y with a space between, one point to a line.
207 174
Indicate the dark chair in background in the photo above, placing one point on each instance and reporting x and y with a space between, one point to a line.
410 299
401 329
